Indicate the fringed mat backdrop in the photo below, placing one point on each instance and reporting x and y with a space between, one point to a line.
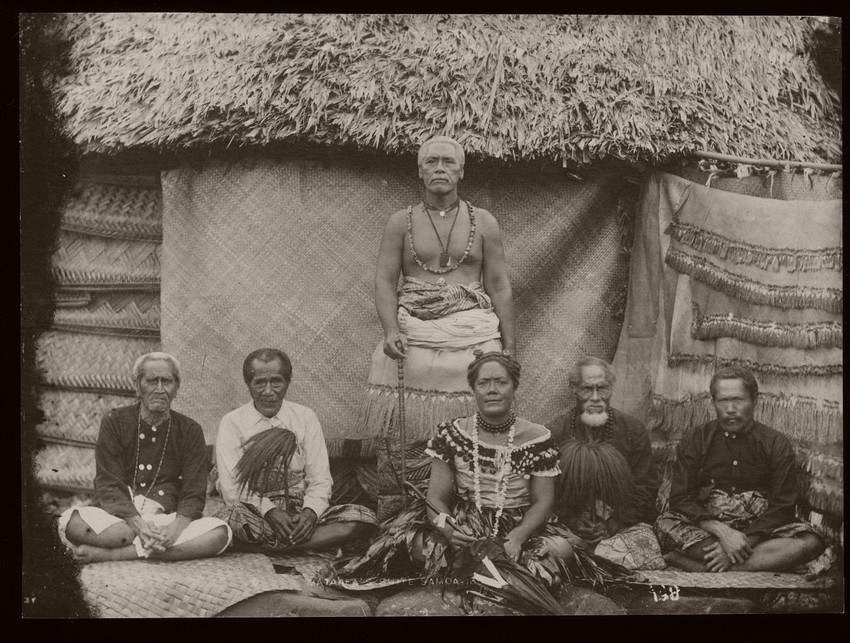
720 278
282 253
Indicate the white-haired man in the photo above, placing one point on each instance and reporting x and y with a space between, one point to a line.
150 480
609 483
455 297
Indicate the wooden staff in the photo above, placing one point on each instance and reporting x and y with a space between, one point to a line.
402 430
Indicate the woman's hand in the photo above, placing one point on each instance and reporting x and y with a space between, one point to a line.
456 538
513 547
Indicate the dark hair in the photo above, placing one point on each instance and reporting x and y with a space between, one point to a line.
266 355
511 366
574 375
735 373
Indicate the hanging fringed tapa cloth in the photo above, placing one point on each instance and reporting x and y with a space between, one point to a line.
737 280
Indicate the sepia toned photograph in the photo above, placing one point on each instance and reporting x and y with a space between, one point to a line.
404 315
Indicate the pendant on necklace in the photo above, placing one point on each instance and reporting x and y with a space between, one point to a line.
443 213
445 259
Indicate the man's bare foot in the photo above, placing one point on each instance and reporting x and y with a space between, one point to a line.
91 554
678 559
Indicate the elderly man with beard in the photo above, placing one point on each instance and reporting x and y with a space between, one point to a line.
608 485
734 491
150 481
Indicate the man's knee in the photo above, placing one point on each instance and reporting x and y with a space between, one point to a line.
813 545
353 530
219 539
697 550
76 528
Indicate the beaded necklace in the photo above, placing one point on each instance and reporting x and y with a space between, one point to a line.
449 268
443 211
495 428
607 434
445 255
501 482
138 449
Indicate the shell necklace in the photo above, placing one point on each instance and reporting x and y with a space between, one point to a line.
445 257
139 448
501 482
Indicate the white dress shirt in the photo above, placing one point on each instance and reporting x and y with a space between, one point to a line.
310 456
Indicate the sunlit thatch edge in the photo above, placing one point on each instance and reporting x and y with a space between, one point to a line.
569 89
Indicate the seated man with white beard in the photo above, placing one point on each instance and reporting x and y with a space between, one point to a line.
608 485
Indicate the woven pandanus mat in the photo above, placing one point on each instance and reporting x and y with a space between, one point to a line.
67 466
75 416
115 211
153 589
308 565
90 362
112 313
733 580
82 261
282 253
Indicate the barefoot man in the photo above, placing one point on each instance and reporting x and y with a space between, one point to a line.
732 503
150 481
455 297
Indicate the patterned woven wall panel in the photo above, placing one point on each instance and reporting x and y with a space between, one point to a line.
114 211
90 362
66 466
85 261
107 266
112 313
75 416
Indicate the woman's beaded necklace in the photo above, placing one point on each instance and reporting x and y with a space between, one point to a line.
495 428
139 448
469 243
501 482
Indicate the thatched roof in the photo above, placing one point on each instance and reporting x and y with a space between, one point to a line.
639 88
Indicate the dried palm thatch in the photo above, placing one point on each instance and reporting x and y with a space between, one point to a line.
562 88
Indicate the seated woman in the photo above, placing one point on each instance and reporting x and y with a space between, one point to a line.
494 473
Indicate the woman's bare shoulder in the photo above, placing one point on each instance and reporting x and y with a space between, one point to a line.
529 432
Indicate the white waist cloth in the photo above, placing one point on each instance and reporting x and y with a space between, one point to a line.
151 512
457 331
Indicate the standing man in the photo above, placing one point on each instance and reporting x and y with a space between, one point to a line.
150 481
608 485
455 297
734 491
273 470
